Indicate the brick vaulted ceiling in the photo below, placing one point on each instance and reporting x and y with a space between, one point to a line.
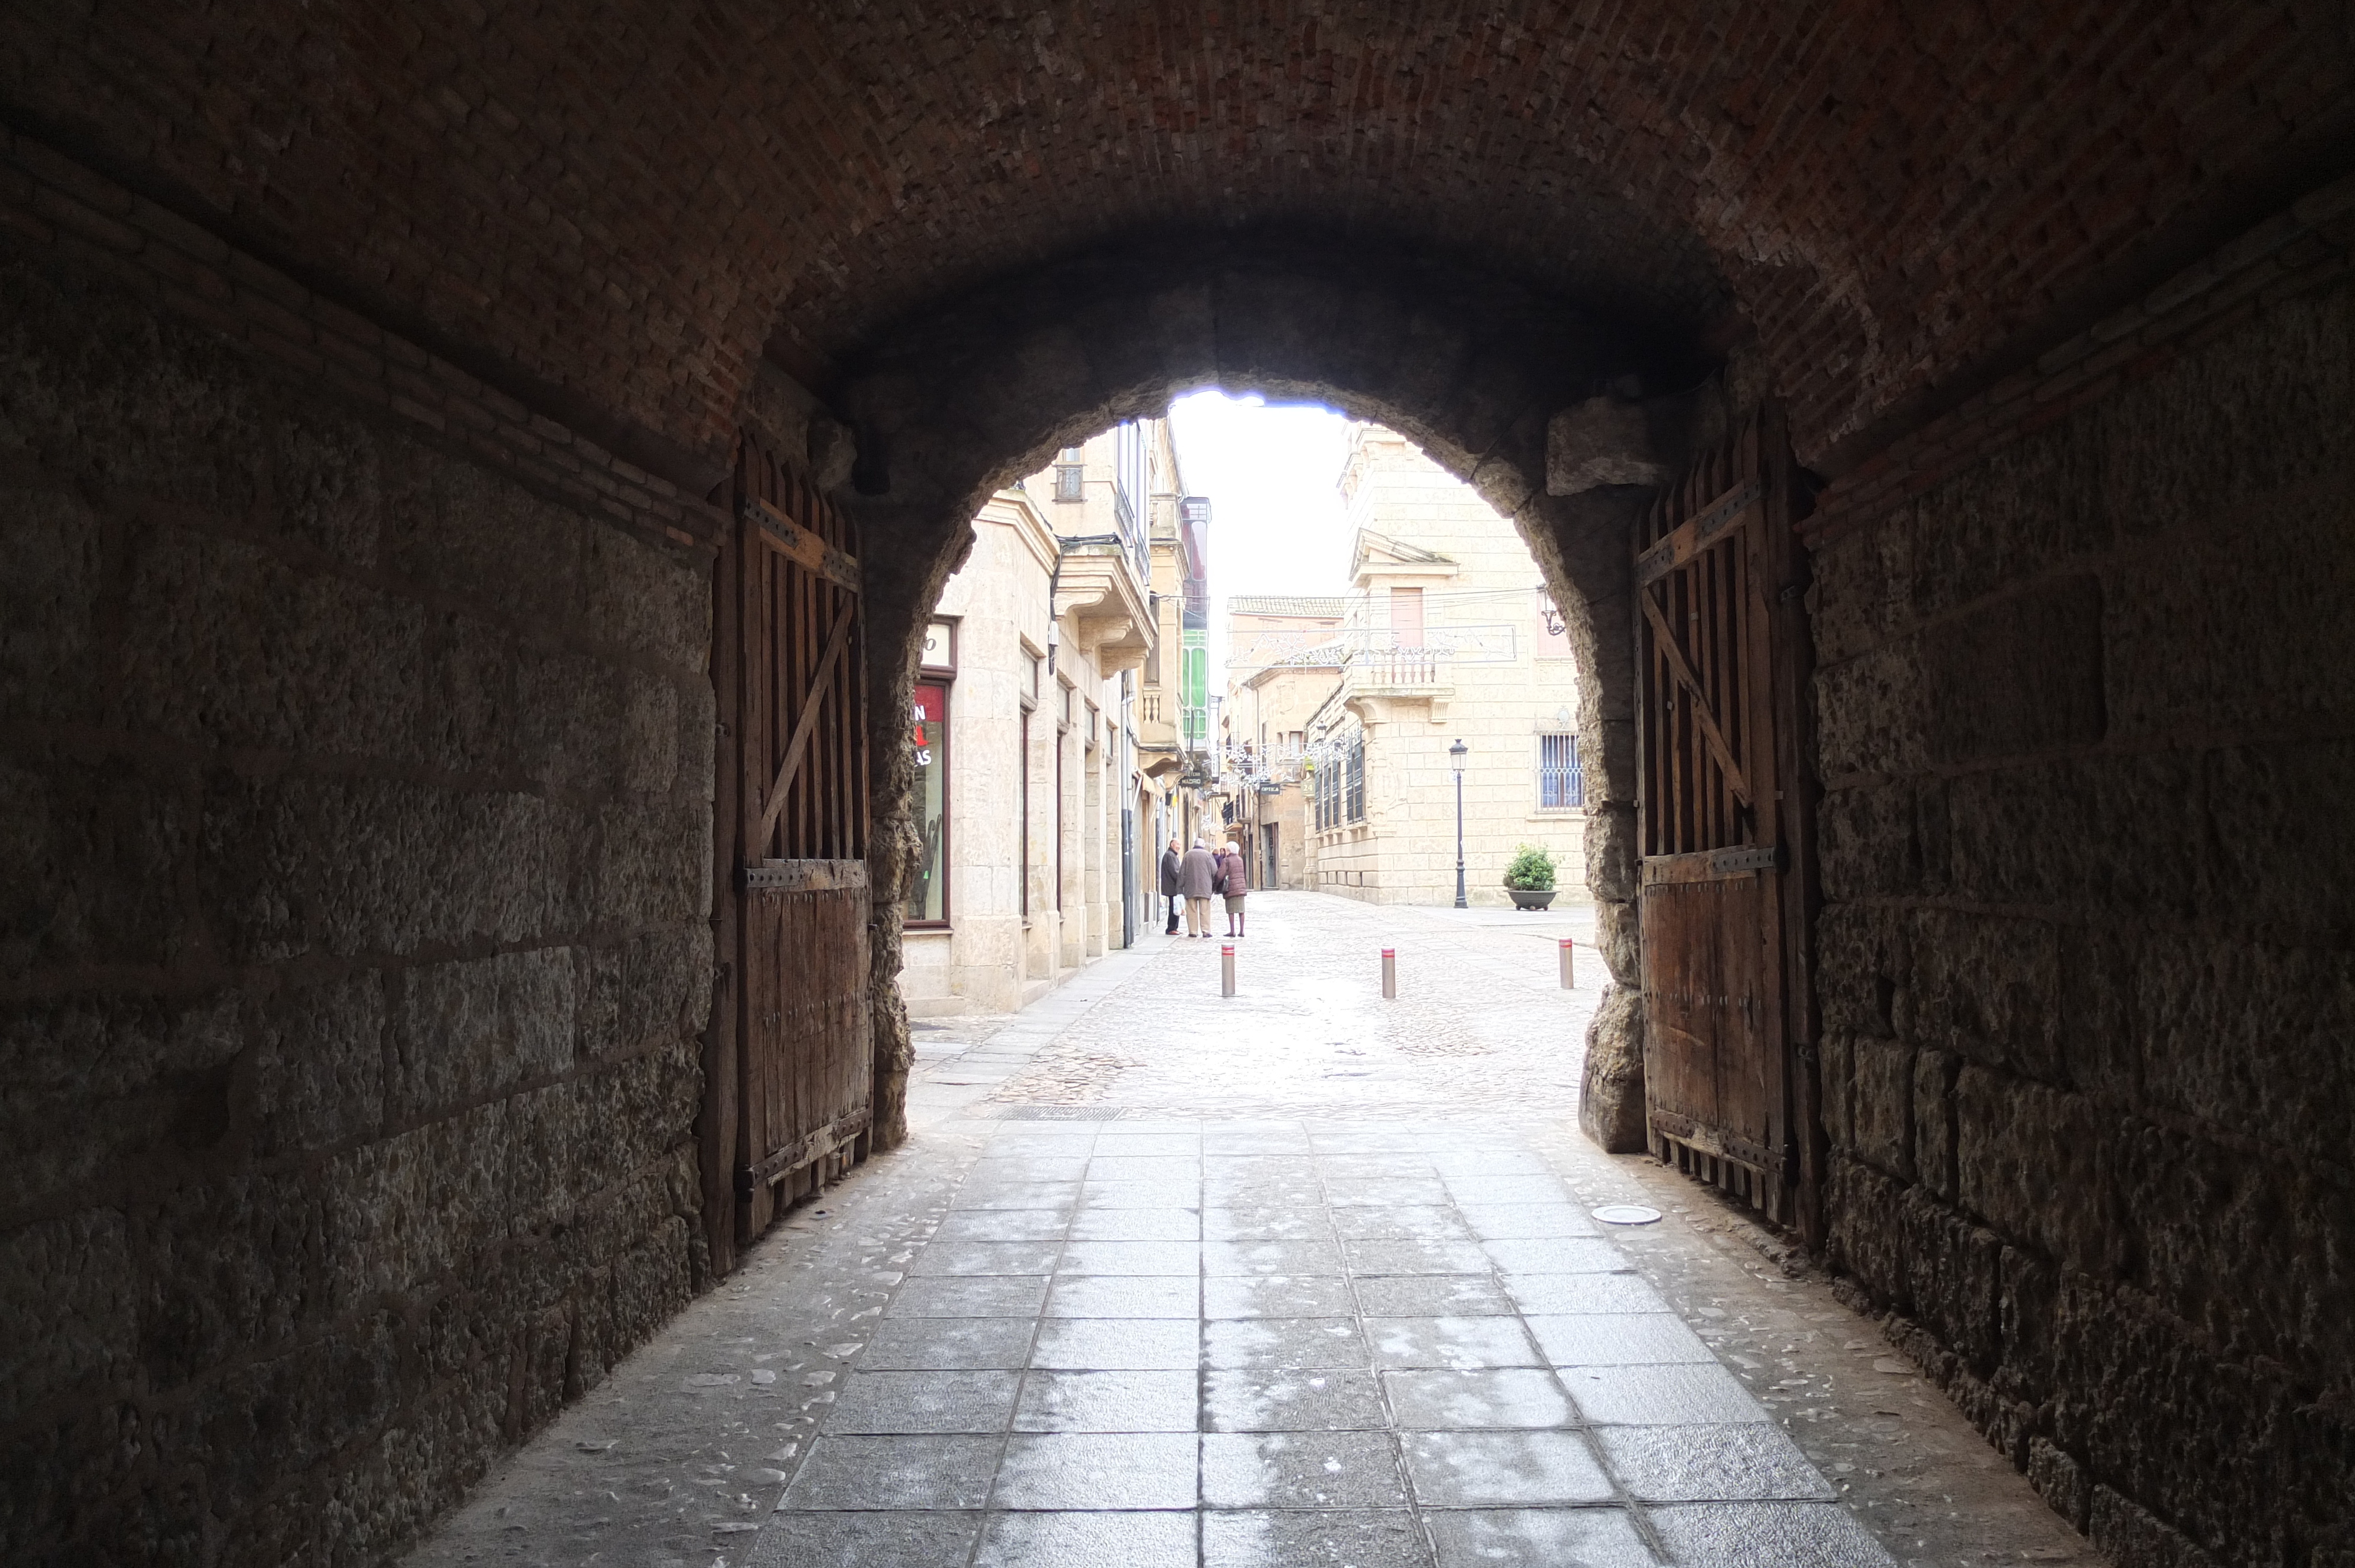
631 200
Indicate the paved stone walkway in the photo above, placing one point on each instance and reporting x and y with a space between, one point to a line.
1297 1278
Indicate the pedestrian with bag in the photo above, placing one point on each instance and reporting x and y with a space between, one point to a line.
1198 879
1170 862
1234 883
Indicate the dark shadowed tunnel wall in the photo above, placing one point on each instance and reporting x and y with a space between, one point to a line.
354 914
2085 725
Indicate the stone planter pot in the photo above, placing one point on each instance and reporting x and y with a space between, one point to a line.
1531 898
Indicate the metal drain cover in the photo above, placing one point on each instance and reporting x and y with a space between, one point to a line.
1626 1214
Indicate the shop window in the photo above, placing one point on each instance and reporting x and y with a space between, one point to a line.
928 894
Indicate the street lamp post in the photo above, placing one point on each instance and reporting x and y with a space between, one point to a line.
1457 753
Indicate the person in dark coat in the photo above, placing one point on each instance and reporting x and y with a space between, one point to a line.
1198 879
1234 883
1170 862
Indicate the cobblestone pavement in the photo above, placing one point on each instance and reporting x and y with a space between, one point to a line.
1297 1278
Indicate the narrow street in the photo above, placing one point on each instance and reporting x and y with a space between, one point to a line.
1301 1277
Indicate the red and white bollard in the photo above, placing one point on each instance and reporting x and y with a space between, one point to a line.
1389 971
1569 964
1227 969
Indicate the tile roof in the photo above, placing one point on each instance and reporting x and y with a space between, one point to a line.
1327 607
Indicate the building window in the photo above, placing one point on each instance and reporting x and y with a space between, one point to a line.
928 894
1193 691
1561 783
1341 784
1022 874
1070 475
1406 616
940 645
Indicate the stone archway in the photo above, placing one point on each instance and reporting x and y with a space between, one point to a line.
1561 419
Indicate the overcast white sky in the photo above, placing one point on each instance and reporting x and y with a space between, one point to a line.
1272 473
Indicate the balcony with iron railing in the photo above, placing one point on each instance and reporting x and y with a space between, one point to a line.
1245 765
1418 671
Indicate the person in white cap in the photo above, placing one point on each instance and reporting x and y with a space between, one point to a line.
1234 883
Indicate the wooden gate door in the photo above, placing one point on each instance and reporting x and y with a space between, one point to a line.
790 1088
1721 658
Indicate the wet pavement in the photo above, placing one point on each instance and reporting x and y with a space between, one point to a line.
1301 1277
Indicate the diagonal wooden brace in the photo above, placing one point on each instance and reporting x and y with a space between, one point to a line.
835 643
1691 683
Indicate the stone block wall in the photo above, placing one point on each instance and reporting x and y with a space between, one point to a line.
2087 956
354 917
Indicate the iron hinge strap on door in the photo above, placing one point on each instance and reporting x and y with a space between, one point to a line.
802 547
810 1147
1711 865
1691 537
802 876
1700 704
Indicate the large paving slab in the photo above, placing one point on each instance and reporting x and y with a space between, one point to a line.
1298 1277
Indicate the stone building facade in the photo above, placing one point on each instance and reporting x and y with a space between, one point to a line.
1284 660
1446 637
1173 708
1034 811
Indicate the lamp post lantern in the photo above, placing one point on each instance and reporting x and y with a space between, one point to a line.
1456 754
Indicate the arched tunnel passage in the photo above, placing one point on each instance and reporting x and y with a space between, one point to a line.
1971 700
1476 368
359 733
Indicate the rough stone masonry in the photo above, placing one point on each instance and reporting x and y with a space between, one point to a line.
354 943
2084 714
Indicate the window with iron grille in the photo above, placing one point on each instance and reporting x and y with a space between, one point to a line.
1353 803
1070 482
1561 781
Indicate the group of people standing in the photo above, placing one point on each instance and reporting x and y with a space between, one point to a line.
1200 875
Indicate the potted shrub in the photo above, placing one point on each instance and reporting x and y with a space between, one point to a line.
1529 879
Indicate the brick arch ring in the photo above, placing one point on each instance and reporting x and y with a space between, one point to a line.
964 397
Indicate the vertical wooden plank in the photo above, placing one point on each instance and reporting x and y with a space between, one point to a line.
1801 895
843 807
1716 675
753 1206
787 1097
716 1130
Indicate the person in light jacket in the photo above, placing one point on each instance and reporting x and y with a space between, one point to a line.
1198 879
1170 860
1234 883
